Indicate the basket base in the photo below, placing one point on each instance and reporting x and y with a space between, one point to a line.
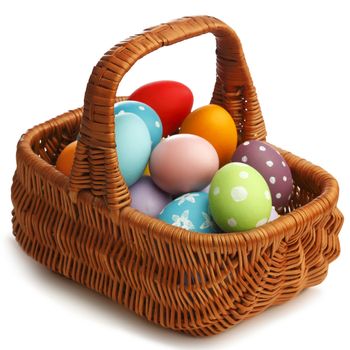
104 284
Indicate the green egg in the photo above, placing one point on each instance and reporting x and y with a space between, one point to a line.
239 198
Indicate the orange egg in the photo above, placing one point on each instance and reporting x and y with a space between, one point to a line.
65 159
215 124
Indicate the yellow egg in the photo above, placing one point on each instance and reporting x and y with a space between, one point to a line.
147 172
216 125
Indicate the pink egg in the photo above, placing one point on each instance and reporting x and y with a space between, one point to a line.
183 163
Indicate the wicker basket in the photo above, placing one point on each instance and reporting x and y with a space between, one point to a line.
84 228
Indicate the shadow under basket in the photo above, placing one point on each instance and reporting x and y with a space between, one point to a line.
84 228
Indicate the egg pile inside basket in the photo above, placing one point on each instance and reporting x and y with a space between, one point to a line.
184 166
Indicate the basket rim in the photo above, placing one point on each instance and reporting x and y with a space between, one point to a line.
269 232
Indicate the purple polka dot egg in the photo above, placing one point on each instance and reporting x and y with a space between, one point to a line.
271 165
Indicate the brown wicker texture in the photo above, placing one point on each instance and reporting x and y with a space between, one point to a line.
83 227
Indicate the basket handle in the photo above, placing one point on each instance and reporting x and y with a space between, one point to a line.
95 166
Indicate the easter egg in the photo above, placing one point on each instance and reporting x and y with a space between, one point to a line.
239 198
273 215
206 189
146 172
183 163
170 99
271 165
146 113
133 146
190 212
65 160
147 197
215 124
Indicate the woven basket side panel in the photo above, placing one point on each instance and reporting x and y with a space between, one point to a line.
194 290
151 277
171 282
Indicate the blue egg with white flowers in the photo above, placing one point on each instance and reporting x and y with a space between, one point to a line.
190 212
147 114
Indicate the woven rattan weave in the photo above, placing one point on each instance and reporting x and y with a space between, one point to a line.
84 228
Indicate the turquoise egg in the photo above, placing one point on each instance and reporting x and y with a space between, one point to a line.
190 212
133 146
147 114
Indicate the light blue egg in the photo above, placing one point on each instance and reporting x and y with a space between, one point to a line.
147 114
191 212
133 146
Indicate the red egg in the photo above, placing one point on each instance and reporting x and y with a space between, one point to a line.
170 99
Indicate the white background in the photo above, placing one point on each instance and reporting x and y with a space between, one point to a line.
298 54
